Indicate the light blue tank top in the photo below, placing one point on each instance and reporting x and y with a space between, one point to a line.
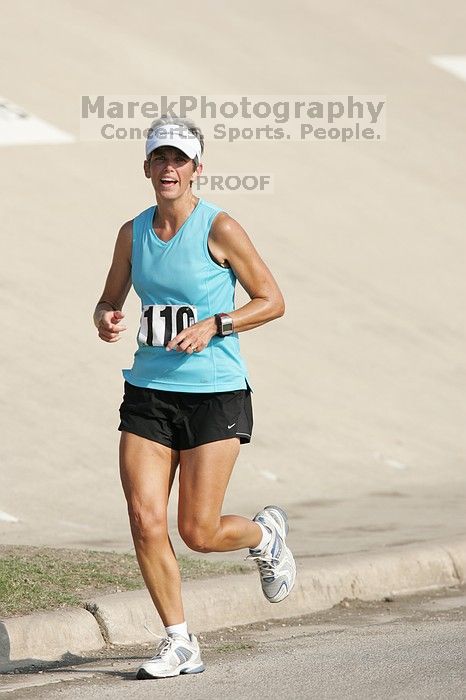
181 273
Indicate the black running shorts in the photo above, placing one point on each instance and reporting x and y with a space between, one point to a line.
182 420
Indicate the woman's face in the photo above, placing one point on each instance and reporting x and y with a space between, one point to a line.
171 172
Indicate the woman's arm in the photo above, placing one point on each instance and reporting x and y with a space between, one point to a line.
232 247
108 314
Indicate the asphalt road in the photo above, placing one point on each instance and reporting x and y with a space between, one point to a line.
406 648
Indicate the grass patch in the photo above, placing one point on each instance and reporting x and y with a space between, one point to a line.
43 578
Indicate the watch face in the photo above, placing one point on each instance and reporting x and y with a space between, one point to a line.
226 324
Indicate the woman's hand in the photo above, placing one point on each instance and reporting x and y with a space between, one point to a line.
109 327
195 338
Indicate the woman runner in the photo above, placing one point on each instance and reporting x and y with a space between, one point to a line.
187 401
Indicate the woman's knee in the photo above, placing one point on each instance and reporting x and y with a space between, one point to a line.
147 523
198 537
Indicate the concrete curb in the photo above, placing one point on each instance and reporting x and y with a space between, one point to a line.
47 636
322 583
230 601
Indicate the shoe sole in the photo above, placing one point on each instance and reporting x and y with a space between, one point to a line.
143 675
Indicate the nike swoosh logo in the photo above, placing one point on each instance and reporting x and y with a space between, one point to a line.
231 426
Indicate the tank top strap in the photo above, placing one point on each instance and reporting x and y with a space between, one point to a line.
209 212
141 223
203 222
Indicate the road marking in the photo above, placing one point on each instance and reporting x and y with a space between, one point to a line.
268 475
18 127
78 526
6 518
456 65
395 463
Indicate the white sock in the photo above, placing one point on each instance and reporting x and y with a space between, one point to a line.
266 537
181 628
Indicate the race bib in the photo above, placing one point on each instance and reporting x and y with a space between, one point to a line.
160 323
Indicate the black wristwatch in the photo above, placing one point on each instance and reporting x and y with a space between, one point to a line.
224 324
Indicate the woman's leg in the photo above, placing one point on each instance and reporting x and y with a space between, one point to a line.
147 470
204 475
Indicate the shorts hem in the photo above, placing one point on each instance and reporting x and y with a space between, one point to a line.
243 438
140 433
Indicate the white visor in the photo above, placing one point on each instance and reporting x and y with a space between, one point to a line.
176 136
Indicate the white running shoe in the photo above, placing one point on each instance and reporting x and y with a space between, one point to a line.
174 655
275 562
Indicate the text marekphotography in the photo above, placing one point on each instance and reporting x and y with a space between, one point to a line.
232 118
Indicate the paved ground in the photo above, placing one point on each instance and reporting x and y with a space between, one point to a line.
408 648
365 444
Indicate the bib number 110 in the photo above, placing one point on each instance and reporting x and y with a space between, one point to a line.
160 324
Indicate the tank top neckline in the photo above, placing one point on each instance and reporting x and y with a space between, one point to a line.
153 231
